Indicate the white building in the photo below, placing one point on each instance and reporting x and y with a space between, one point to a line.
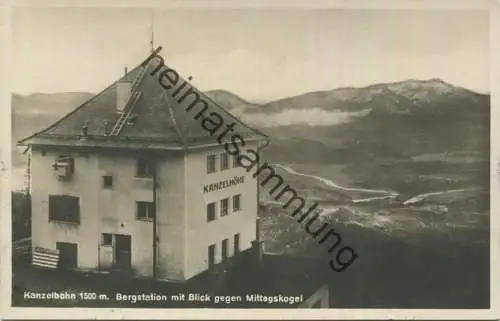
135 181
131 166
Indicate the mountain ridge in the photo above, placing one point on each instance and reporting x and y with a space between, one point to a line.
402 95
226 96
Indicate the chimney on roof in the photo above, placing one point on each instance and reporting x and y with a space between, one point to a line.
123 92
106 128
85 128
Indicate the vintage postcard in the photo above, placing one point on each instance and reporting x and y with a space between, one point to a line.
277 160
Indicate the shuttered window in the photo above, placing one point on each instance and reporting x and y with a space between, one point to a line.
236 203
225 252
236 243
210 212
224 161
145 210
145 168
211 255
224 207
211 163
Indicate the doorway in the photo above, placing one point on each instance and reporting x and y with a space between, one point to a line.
68 255
123 251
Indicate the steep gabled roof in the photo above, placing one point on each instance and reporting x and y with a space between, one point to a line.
160 121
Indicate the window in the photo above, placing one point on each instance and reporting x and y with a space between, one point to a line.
145 210
210 212
211 255
64 208
211 160
224 161
107 239
224 207
225 254
236 203
145 168
107 182
236 162
236 243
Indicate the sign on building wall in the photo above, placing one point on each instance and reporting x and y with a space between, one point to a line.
223 184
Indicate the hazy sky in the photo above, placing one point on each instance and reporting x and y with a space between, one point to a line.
256 53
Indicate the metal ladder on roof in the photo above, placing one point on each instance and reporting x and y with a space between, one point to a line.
138 78
125 115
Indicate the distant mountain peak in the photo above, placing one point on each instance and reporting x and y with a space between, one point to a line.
223 93
228 99
438 82
426 90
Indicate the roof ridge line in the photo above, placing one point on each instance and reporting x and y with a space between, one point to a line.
68 114
145 68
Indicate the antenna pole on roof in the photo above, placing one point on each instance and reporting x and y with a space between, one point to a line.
152 42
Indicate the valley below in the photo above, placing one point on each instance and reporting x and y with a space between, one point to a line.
428 250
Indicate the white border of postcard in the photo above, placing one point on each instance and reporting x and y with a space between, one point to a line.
113 313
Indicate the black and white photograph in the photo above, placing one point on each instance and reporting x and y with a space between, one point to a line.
258 158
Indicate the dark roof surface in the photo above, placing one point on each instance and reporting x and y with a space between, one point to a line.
276 275
159 119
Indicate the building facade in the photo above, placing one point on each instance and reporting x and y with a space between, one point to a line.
105 209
